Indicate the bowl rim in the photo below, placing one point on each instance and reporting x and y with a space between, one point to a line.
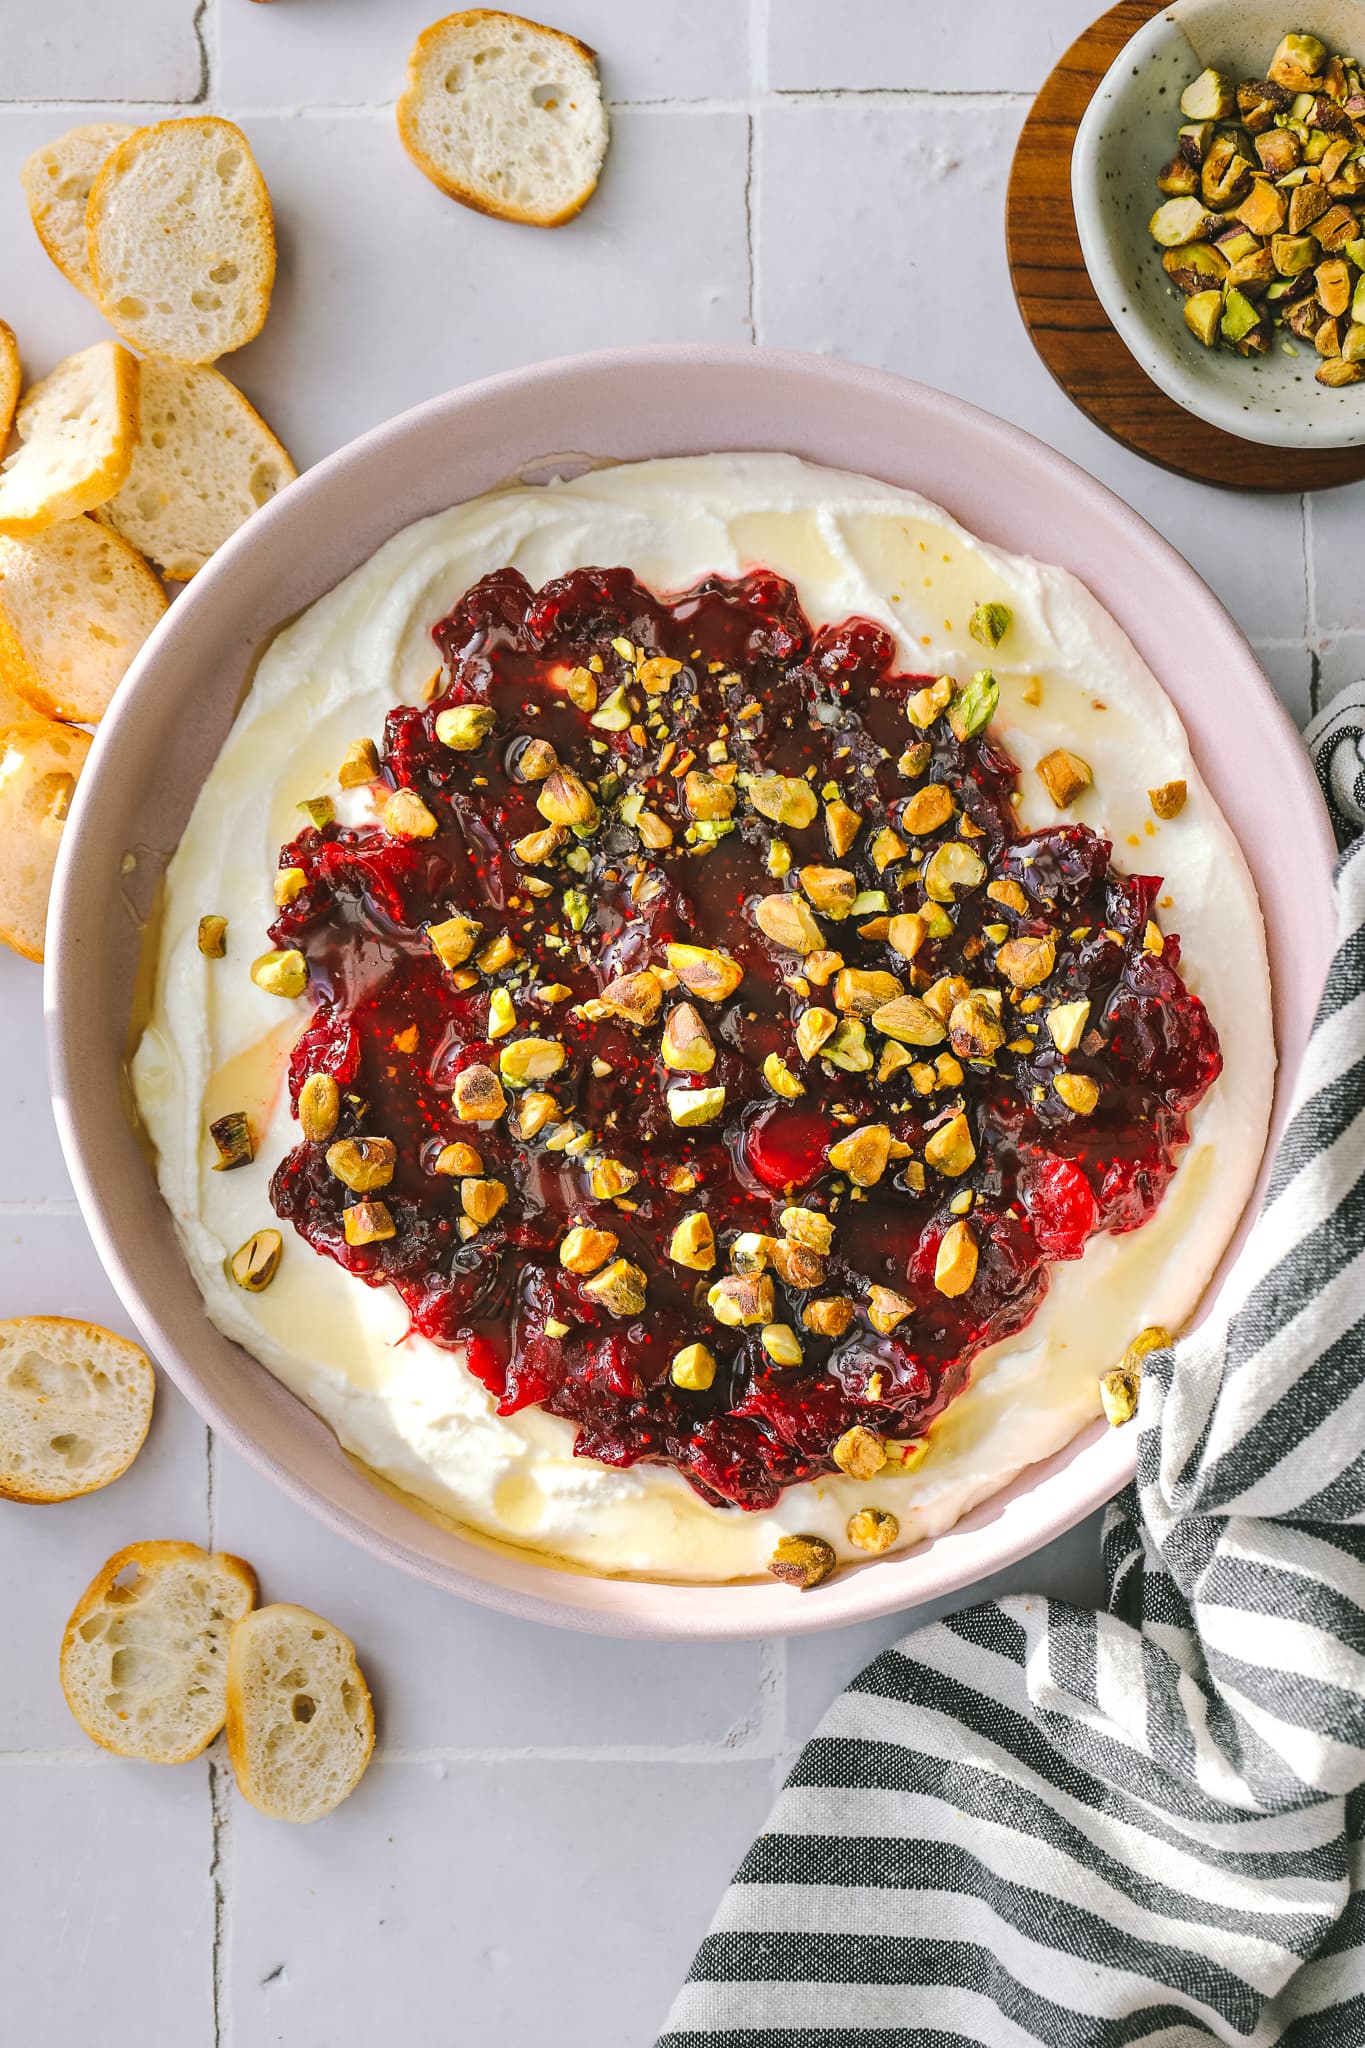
1163 364
1041 1503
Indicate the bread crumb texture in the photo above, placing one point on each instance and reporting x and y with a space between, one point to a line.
205 460
57 179
76 603
144 1657
40 762
300 1724
76 431
505 115
75 1405
181 239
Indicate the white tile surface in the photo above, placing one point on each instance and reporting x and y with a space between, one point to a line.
75 50
552 1818
918 45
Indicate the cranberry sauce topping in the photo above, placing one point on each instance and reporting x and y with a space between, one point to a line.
779 1065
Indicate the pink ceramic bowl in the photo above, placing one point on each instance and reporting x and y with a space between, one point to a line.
174 710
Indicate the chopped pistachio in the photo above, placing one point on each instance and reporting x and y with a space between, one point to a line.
751 1251
955 1266
784 799
780 1077
974 706
704 972
407 817
779 858
583 1250
740 1299
464 727
281 973
530 1059
873 1530
289 884
842 826
1078 1092
802 1561
989 624
359 764
457 1160
481 1199
828 1318
796 1266
254 1264
478 1095
581 689
813 1028
502 1014
454 940
363 1164
1064 775
1027 962
909 1020
787 921
655 674
533 1112
319 810
952 869
1066 1022
619 1288
950 1150
693 1368
319 1107
213 937
231 1135
535 761
497 954
809 1227
707 797
886 1309
833 891
634 998
1120 1387
565 799
820 967
690 1106
781 1343
1004 890
615 713
1169 800
859 1452
686 1044
863 991
974 1026
847 1049
693 1243
863 1155
368 1223
924 707
655 832
535 847
887 846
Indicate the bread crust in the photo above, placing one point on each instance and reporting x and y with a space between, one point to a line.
135 1357
151 1556
17 667
410 99
238 1707
100 200
97 484
27 734
113 132
11 380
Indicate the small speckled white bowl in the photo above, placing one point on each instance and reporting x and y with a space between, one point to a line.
1127 134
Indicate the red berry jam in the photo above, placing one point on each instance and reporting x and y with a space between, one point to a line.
718 1206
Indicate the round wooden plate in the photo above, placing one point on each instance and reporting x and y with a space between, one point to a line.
1067 324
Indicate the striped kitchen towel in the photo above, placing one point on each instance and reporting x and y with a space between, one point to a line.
1143 1828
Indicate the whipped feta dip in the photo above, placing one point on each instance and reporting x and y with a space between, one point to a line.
408 1409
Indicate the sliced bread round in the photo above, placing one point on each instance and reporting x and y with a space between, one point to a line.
56 181
40 762
75 1406
11 381
300 1723
181 239
76 603
144 1657
204 462
76 431
505 115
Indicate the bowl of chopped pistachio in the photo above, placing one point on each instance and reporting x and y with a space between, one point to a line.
1218 181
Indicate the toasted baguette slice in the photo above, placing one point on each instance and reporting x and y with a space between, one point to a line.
56 181
505 116
76 433
181 239
300 1724
144 1657
11 379
205 460
40 763
76 603
75 1405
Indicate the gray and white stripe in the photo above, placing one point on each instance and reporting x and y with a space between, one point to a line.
1143 1828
